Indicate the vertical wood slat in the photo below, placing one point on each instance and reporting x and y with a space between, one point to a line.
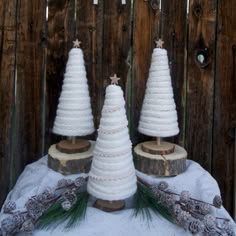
116 42
225 102
7 81
29 133
173 27
89 25
200 82
61 33
145 31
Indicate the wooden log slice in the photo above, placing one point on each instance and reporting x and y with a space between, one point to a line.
80 145
152 147
68 164
160 165
109 206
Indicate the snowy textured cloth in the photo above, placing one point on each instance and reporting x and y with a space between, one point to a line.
36 177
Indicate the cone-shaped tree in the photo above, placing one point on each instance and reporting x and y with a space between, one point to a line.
74 115
112 175
158 115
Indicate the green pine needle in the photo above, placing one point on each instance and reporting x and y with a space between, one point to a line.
56 215
145 202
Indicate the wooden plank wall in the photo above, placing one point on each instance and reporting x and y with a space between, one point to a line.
119 39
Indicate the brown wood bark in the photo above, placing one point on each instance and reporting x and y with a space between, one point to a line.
7 97
160 165
173 32
145 31
225 103
68 164
61 33
109 206
200 81
89 29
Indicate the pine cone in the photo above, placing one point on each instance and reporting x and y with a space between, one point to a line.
184 196
202 208
69 196
80 181
156 192
163 185
217 201
62 183
229 229
18 218
66 205
34 208
196 226
8 226
9 206
27 226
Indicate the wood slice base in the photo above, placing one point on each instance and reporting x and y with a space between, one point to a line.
152 147
109 206
68 164
160 165
80 145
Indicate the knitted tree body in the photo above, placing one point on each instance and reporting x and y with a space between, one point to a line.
112 175
74 115
158 115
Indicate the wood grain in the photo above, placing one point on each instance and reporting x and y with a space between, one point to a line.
200 82
89 30
29 137
7 95
61 33
145 31
116 43
225 103
173 32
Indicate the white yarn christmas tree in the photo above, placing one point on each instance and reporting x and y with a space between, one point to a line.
112 175
74 115
158 115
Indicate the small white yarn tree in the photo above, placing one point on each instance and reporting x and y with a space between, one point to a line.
158 115
112 175
74 115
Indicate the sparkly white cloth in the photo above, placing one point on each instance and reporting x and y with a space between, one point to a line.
74 114
158 115
37 176
112 175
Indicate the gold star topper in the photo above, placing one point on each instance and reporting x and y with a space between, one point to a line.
77 43
159 43
114 79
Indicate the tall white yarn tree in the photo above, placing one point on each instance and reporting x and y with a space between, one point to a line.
74 115
112 175
158 115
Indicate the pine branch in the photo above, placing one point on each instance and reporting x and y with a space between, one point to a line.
145 202
56 215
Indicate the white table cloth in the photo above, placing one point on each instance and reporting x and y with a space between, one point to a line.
37 176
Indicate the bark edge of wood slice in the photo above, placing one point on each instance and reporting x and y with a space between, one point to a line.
164 148
68 164
160 165
109 206
80 145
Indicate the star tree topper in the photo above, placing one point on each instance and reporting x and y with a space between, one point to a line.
77 43
159 43
114 79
